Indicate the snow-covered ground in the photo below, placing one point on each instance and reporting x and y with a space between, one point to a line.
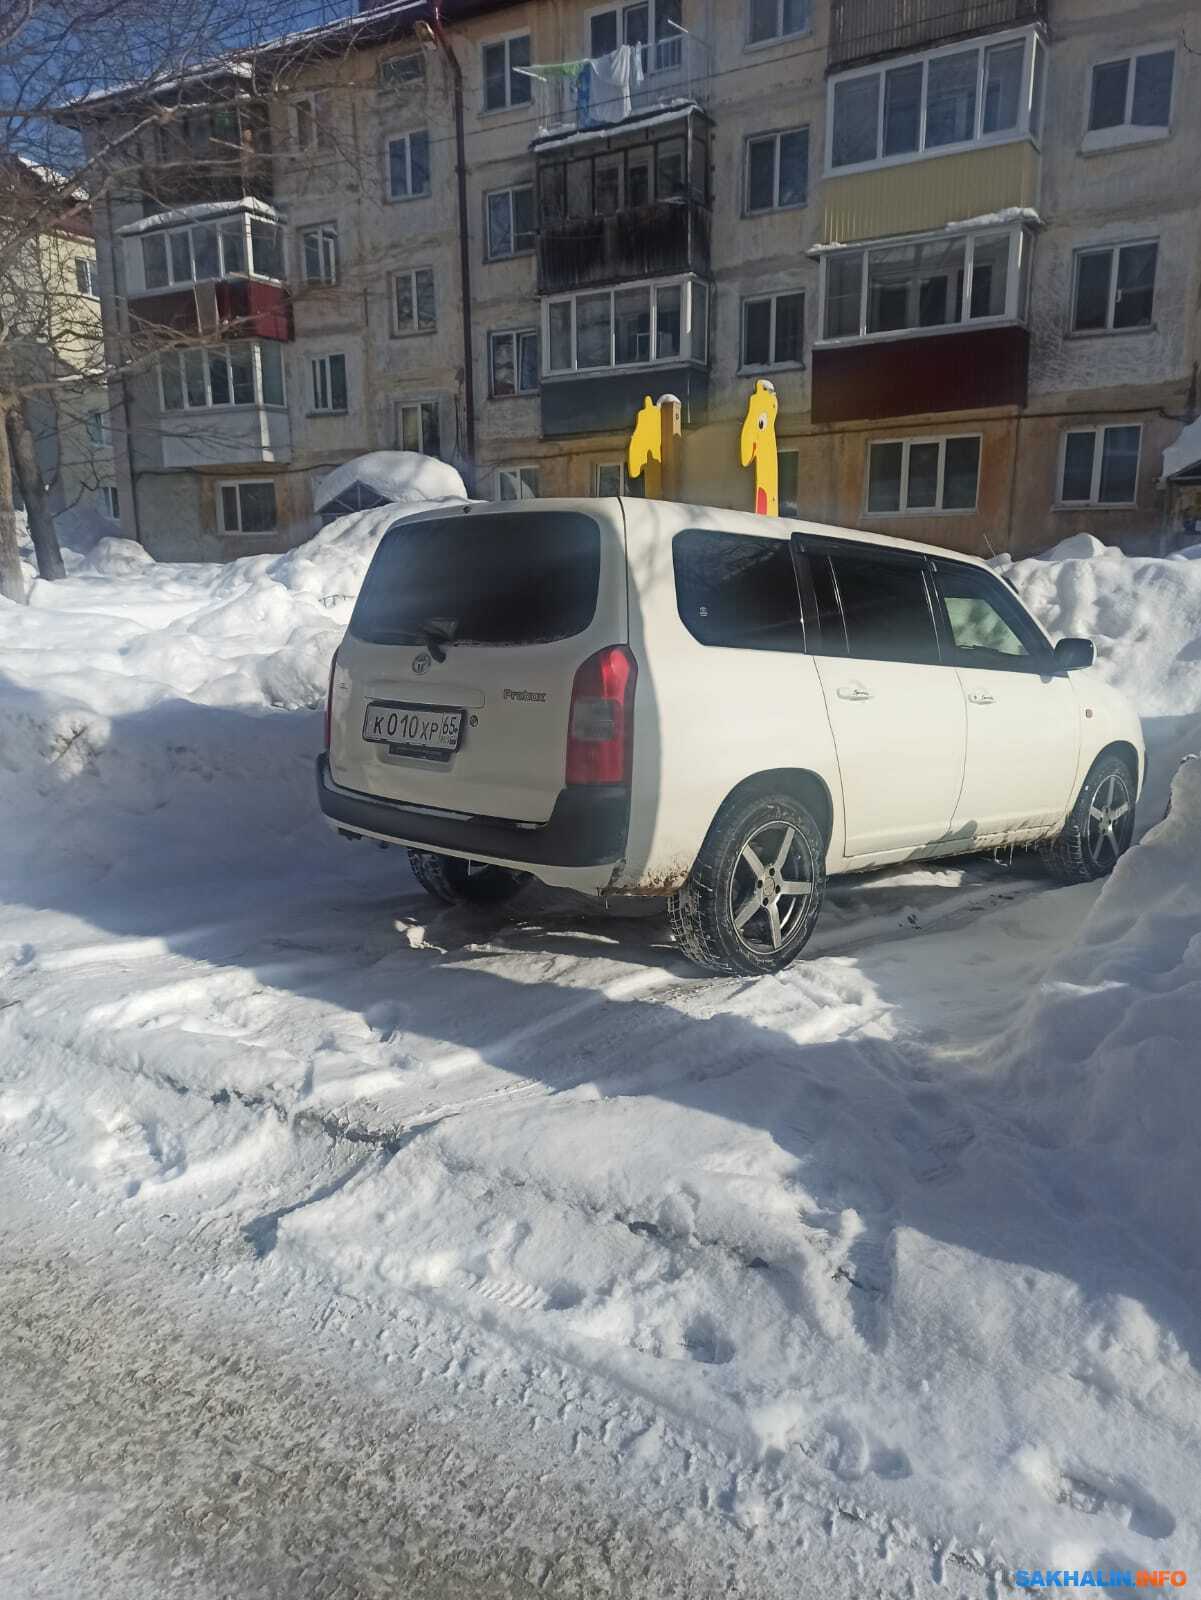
353 1247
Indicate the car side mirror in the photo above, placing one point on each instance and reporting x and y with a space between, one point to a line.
1072 655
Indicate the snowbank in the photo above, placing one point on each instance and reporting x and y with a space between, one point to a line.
1105 1058
399 476
1144 615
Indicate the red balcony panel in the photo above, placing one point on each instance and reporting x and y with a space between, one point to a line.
232 308
965 371
259 310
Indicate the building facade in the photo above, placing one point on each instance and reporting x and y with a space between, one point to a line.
960 241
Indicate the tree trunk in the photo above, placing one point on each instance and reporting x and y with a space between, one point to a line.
33 491
12 584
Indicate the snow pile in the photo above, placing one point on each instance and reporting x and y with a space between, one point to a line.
1144 615
133 686
1105 1056
400 477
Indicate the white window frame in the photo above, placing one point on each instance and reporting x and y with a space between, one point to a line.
258 403
1020 244
516 335
238 484
686 282
775 134
1112 251
321 385
650 62
217 223
410 193
400 406
1126 132
937 509
387 84
510 190
621 467
517 470
99 428
1028 114
744 365
1093 503
327 248
394 280
90 275
779 36
110 501
505 39
321 133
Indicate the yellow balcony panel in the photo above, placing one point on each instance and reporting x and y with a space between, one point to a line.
916 196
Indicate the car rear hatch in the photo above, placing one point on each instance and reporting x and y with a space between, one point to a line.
453 685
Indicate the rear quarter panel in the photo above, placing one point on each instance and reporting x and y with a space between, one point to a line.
706 718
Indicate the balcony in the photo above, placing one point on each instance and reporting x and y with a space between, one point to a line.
573 97
243 436
215 270
966 370
864 30
640 242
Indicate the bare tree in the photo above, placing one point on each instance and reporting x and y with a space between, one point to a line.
62 53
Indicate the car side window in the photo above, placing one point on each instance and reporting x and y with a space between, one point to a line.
885 607
737 590
987 626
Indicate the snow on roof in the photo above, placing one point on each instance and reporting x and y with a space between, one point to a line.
1185 453
396 476
196 213
987 219
668 113
241 63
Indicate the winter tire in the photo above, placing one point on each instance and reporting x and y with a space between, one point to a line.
1099 829
754 894
459 882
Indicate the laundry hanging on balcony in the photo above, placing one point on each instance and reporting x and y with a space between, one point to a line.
599 91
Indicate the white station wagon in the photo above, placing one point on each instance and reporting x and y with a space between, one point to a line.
637 697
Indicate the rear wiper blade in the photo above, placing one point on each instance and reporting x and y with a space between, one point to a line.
435 637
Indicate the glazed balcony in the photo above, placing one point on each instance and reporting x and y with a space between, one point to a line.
865 30
640 242
210 269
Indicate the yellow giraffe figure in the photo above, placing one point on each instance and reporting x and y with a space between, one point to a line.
646 448
758 445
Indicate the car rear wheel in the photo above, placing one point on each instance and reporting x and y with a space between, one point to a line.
459 882
1100 827
755 892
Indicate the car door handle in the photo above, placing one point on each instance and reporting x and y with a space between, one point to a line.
980 697
853 691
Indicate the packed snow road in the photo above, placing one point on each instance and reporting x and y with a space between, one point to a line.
351 1246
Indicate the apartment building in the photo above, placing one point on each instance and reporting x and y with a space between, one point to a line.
49 298
960 241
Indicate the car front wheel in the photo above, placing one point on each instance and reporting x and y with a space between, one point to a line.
1099 828
755 891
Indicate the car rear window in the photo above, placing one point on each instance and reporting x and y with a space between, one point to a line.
527 578
885 608
738 590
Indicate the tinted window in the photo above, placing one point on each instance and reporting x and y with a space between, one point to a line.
987 626
738 590
885 608
521 579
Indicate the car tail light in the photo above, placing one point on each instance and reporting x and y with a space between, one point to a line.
329 700
600 729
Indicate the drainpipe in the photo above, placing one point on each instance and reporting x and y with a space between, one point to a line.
438 33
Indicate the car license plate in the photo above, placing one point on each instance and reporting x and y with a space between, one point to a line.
427 730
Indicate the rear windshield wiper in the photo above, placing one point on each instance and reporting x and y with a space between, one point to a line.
435 636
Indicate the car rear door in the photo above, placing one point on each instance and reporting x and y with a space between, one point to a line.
453 683
1023 729
896 711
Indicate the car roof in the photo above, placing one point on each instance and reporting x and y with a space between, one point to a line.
684 515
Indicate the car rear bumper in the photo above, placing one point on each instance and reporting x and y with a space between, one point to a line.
587 828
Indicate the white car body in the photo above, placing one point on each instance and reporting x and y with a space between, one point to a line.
897 759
